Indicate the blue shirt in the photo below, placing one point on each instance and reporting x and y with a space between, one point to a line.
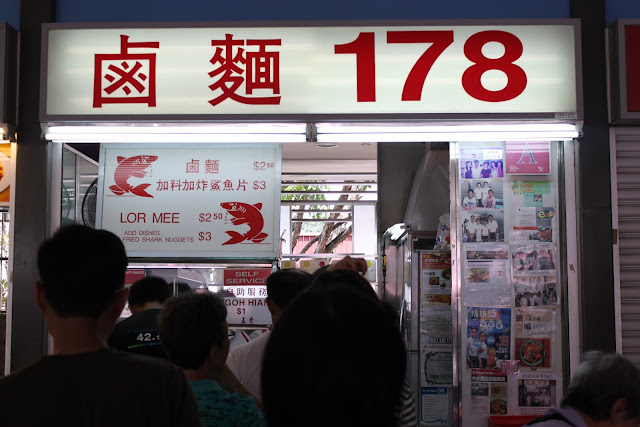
220 408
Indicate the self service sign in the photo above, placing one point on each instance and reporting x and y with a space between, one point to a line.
191 201
311 70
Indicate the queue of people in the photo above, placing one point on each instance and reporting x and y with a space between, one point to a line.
314 373
334 358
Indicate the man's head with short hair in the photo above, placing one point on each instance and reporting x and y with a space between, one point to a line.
606 387
283 286
149 289
81 270
190 325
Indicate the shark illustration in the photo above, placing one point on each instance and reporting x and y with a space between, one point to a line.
133 166
243 213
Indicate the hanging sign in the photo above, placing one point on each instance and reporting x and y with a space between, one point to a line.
193 201
311 70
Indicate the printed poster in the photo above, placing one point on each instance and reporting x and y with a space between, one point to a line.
535 291
436 326
489 392
436 273
528 158
6 174
483 193
481 225
534 260
535 393
437 367
434 406
533 224
486 274
488 336
483 161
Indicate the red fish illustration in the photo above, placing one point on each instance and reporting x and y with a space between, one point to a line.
243 213
133 166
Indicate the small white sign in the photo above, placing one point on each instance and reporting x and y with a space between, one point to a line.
192 201
489 68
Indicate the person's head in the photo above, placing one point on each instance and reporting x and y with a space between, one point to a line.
476 163
490 193
482 336
473 332
337 345
345 278
491 351
193 330
81 272
473 218
282 287
490 218
486 184
468 164
606 387
148 290
470 193
485 165
499 164
493 164
478 185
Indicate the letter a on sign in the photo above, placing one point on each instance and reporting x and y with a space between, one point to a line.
528 158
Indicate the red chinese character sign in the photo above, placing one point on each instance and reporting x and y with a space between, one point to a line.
125 78
425 69
193 202
528 158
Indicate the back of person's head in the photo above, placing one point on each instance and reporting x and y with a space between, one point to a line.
149 289
340 347
189 325
345 278
284 285
182 288
81 270
600 381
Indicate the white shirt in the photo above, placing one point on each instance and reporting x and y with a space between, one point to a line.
493 226
246 363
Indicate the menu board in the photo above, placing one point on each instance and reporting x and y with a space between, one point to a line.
192 201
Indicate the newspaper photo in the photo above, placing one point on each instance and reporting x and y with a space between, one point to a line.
488 336
535 291
486 275
482 161
534 260
480 225
536 393
489 392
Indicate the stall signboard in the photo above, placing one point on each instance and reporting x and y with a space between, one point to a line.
624 66
247 311
246 282
192 201
142 71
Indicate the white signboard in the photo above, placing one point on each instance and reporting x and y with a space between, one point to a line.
308 70
192 201
247 311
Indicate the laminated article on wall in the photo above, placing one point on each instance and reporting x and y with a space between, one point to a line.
533 217
489 392
535 393
435 406
436 366
486 274
534 260
488 336
534 333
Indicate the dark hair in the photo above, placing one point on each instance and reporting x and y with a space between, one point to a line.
284 285
189 325
345 278
312 348
149 289
600 381
81 270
